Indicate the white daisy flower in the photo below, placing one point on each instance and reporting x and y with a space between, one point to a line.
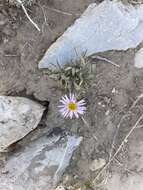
70 107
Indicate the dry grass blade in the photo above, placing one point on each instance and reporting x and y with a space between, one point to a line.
26 13
111 158
73 77
121 120
106 60
62 12
118 150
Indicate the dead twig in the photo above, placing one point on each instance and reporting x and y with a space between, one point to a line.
24 46
11 55
118 126
122 165
106 60
26 13
115 135
139 126
137 100
62 12
118 150
45 19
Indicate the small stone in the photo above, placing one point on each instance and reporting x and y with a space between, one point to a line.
8 31
3 20
107 112
67 179
97 164
138 62
60 188
5 172
114 90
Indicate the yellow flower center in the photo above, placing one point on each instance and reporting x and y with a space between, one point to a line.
72 106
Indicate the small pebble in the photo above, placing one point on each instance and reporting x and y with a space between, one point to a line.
107 112
138 60
60 188
97 164
113 90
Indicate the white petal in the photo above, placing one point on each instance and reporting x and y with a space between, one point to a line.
61 106
70 95
81 108
76 114
63 110
66 113
65 99
73 98
63 102
80 111
81 102
71 114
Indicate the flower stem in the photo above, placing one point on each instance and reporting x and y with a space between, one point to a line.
88 126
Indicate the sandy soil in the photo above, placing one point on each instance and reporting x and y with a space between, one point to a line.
109 99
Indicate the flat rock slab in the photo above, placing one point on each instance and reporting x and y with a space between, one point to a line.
109 26
18 116
40 165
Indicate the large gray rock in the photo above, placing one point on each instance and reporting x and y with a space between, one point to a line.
40 165
18 116
109 26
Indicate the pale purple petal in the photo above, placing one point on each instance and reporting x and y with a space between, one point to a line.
76 114
61 106
80 112
65 99
66 112
71 114
68 115
63 102
63 110
72 98
81 103
81 108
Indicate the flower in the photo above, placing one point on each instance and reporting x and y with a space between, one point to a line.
70 107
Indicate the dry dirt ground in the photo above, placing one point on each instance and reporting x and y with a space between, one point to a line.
109 99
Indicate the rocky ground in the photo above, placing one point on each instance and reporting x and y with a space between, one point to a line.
110 99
